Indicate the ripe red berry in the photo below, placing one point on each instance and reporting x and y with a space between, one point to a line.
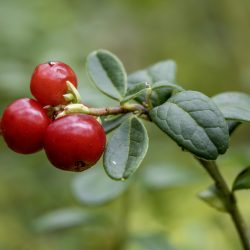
74 142
48 82
23 126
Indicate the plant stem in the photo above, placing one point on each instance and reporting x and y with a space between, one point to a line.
117 110
126 108
229 201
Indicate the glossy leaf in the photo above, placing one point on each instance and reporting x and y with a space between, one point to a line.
234 105
62 219
212 197
110 124
94 187
242 181
193 121
108 73
126 149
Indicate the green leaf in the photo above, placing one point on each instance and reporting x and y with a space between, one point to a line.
110 124
162 71
138 77
193 121
234 105
166 84
62 219
94 187
159 96
161 92
108 73
162 176
212 197
126 149
242 181
136 90
165 70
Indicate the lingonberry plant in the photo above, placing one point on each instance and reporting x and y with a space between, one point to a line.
74 137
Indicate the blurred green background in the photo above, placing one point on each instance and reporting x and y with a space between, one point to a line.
208 39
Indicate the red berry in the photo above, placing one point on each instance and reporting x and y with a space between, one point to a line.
74 142
23 126
48 82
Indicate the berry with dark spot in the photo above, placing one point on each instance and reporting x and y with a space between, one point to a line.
74 142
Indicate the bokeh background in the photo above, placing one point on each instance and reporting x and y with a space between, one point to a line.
208 39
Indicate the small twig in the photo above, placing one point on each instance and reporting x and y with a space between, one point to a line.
126 108
117 110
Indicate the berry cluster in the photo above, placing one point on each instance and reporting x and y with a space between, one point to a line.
73 142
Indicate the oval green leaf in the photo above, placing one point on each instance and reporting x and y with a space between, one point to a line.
165 70
212 197
126 149
234 105
242 181
162 71
193 121
138 77
166 84
108 73
94 187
